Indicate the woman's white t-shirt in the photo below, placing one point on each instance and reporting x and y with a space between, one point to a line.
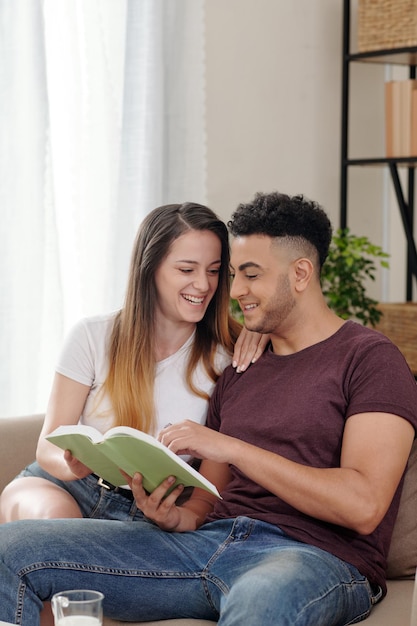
84 358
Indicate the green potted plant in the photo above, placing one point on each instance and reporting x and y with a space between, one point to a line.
351 262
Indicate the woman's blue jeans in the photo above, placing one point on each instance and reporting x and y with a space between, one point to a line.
245 571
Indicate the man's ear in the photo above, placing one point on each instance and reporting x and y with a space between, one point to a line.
304 270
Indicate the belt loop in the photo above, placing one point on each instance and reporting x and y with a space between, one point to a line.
101 482
126 493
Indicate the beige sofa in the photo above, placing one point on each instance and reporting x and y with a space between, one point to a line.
18 438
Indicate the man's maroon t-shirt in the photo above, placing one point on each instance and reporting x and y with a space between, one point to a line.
297 406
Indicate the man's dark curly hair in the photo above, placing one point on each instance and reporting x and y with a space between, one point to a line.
279 215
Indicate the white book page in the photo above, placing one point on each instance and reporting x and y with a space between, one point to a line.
91 432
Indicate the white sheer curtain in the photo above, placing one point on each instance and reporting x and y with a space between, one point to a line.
101 119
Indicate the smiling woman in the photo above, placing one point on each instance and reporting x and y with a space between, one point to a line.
153 362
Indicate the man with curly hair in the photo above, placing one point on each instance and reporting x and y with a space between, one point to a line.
308 450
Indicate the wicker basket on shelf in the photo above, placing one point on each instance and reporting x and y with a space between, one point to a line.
386 24
399 323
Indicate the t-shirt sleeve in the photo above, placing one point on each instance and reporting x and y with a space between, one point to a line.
76 360
375 387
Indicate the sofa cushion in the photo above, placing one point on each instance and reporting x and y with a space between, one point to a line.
402 557
18 440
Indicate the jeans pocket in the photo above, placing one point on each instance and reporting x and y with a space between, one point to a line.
375 594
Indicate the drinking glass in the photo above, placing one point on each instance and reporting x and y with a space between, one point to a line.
78 607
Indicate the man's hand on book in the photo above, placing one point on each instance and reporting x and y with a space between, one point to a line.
200 442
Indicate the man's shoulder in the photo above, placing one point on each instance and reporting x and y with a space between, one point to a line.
230 377
354 331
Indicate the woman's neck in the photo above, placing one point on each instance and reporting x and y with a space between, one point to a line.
170 338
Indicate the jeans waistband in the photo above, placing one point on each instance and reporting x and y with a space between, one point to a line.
126 493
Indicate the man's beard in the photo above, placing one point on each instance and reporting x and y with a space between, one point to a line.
276 310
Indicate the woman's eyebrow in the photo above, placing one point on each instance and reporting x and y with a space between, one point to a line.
193 262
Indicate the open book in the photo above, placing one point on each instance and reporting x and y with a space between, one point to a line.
132 451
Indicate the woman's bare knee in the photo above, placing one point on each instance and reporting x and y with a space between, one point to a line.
36 498
47 618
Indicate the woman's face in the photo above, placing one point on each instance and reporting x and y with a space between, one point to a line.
187 278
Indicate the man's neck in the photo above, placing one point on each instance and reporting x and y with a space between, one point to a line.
305 332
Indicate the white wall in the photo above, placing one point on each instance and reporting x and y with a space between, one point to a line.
273 94
273 97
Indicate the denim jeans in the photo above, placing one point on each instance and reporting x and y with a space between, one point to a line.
243 570
94 501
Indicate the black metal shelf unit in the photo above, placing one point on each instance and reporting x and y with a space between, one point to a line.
399 56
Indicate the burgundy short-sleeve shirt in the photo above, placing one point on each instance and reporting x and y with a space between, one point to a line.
297 406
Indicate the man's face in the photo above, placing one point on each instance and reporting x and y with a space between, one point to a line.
261 271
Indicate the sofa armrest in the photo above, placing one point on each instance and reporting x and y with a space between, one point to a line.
18 440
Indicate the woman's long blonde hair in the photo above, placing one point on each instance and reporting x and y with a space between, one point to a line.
130 382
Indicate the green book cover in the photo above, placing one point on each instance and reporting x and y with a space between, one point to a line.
130 450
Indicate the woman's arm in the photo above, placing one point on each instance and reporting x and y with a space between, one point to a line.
65 406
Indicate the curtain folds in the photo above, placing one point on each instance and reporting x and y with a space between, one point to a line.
101 120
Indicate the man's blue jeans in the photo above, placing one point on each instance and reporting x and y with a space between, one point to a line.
246 571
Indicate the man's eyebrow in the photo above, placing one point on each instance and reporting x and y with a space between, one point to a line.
245 266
